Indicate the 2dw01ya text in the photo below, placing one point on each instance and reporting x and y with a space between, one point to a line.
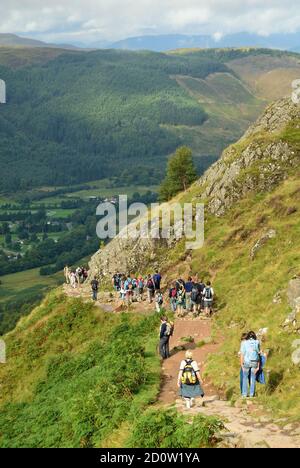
172 457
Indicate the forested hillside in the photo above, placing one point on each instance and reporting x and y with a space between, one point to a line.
77 116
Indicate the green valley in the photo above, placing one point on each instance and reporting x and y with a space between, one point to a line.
118 114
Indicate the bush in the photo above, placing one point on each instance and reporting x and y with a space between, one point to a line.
158 428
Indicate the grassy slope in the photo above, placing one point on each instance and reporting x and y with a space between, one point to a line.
223 96
75 375
19 285
79 377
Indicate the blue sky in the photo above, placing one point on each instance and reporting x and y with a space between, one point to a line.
92 20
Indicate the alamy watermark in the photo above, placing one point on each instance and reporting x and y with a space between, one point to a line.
2 352
296 91
160 221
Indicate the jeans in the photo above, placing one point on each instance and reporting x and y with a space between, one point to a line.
188 301
173 303
163 346
95 295
246 369
150 294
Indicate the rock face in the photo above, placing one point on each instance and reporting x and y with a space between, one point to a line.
254 163
293 296
257 163
293 293
261 242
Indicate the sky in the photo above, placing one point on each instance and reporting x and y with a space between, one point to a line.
85 21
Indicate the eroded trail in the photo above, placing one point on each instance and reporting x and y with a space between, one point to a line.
198 330
247 423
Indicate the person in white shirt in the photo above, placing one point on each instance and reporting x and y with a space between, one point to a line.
189 380
208 297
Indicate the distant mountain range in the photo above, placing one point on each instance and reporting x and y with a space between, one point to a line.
164 42
161 43
14 40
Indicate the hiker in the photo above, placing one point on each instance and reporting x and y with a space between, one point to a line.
141 285
84 274
201 286
163 337
208 297
157 280
116 280
196 298
189 380
128 289
78 273
173 297
150 289
95 287
134 288
159 299
67 274
169 332
243 338
180 301
73 279
188 293
122 290
179 284
250 357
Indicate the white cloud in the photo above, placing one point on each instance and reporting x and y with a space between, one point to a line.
92 20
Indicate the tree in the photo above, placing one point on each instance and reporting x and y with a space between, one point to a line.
181 173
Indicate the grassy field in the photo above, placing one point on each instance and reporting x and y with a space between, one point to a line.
25 283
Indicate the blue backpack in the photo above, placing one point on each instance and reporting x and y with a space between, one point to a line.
251 350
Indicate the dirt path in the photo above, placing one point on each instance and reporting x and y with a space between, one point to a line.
246 423
198 330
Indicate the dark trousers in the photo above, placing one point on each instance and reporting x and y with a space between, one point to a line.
164 347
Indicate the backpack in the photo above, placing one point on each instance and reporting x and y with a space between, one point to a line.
173 292
141 284
94 285
150 284
170 329
195 294
207 293
180 296
189 376
251 350
160 299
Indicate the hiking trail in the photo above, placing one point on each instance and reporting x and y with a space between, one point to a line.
247 424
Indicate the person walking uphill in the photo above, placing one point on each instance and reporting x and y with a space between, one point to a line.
95 287
157 280
250 356
189 380
163 337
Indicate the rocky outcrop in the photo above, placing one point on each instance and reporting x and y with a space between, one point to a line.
256 163
292 320
261 242
293 292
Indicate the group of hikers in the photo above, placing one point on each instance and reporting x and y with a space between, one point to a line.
189 382
75 277
192 295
